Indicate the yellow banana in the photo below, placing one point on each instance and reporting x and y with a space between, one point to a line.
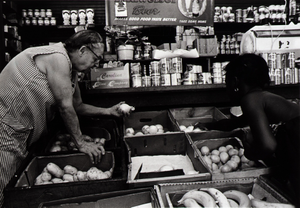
218 196
190 203
242 198
233 204
201 197
256 203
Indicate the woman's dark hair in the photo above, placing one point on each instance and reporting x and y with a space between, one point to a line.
251 68
81 38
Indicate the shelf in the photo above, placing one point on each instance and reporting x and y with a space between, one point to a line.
165 97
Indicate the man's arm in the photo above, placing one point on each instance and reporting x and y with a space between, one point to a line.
58 75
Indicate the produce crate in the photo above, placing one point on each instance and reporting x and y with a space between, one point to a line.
169 193
21 186
92 131
146 149
137 120
214 140
109 124
121 199
190 116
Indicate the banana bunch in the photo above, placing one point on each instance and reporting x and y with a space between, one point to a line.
214 198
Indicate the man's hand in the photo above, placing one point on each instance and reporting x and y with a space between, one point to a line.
94 151
117 111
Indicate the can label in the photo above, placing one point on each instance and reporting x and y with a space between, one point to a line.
176 79
165 79
176 65
165 65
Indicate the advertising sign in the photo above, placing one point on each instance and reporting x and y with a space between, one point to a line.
160 12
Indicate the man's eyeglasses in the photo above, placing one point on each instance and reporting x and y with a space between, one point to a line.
98 57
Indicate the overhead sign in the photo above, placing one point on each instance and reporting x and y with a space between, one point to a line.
160 12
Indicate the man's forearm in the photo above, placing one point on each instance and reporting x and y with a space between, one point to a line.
90 110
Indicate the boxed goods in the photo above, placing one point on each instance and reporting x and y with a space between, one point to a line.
246 192
163 158
141 197
104 78
149 123
223 155
186 118
49 178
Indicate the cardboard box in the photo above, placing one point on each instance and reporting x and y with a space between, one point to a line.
124 198
169 194
21 185
206 46
102 78
137 120
214 140
190 116
142 148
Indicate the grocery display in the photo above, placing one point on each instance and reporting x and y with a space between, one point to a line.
159 154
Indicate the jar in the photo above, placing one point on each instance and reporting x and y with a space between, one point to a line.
146 81
125 52
53 21
29 13
34 21
48 13
147 51
138 53
47 21
43 13
27 21
155 80
36 12
40 21
24 13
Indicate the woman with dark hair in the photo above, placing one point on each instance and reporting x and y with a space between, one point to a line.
36 84
246 78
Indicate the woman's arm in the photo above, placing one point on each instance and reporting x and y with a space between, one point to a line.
262 143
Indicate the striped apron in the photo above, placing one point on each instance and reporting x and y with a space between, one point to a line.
26 105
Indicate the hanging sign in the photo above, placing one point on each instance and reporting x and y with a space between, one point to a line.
160 12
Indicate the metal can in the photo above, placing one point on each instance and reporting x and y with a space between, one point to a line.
176 79
146 81
147 51
138 53
288 76
238 15
165 65
176 65
190 78
277 76
155 80
165 79
282 75
291 60
136 80
34 21
272 60
279 64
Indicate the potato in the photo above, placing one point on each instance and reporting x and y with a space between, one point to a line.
102 175
70 169
46 176
81 176
38 180
55 170
92 173
68 177
55 148
57 180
